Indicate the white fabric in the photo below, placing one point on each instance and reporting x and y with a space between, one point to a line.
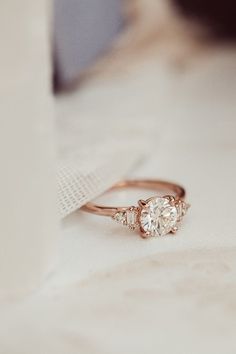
27 149
99 145
90 172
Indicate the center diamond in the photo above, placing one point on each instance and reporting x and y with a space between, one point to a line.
158 217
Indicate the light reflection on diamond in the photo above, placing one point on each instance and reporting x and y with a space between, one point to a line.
158 217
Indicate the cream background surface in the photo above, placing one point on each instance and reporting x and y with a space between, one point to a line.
112 291
189 117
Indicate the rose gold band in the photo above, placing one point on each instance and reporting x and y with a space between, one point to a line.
154 185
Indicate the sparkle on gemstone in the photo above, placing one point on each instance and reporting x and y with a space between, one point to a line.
127 217
182 208
131 216
120 217
158 217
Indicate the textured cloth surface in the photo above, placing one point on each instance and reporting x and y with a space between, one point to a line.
90 172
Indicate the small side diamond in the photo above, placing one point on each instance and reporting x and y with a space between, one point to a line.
120 217
132 217
182 208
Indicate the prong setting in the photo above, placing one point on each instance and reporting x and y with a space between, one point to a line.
156 216
171 198
174 230
144 234
159 216
142 203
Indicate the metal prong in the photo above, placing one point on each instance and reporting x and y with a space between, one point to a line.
142 203
144 234
171 198
174 230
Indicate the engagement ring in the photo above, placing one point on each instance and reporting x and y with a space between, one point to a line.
155 216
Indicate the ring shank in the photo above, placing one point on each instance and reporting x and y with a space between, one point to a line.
155 185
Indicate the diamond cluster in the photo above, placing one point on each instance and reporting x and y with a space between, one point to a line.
157 216
128 217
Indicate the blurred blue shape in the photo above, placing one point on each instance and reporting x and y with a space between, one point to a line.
83 30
